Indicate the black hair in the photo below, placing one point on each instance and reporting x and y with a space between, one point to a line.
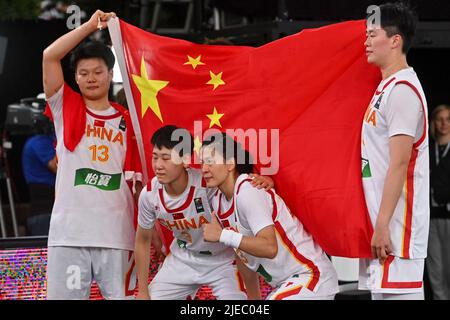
399 18
172 137
230 149
92 49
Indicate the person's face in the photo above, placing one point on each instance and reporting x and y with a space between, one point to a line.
215 169
93 78
379 46
442 122
167 165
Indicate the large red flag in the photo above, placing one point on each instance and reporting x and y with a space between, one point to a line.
313 87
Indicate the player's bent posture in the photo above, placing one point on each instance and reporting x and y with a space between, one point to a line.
178 198
91 231
257 223
395 162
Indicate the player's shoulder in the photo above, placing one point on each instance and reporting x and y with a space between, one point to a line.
244 187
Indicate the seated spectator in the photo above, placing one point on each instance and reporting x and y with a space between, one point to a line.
39 169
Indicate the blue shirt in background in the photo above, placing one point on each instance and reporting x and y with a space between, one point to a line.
37 152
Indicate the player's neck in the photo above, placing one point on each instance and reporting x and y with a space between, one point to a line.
98 104
178 186
393 66
443 139
227 187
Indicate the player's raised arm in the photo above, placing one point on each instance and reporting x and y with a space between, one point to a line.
52 73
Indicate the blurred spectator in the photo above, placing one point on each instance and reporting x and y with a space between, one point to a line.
121 98
39 170
438 260
51 10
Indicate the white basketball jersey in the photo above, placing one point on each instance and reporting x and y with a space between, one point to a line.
298 254
93 203
410 221
184 215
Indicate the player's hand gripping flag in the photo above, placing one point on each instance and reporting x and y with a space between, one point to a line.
313 87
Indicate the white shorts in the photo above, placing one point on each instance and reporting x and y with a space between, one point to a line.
294 289
184 272
70 271
396 275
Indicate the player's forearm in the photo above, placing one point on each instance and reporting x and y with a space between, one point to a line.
393 186
63 45
142 254
251 280
259 247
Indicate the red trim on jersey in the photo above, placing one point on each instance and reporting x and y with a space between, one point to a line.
292 248
385 86
112 116
149 185
385 283
128 277
241 283
183 207
410 178
240 185
409 205
226 214
203 183
288 293
422 138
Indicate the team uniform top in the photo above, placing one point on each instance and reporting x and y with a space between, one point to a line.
93 203
184 215
250 211
399 107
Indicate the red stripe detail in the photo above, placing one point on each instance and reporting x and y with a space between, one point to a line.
203 183
423 110
409 204
149 186
240 184
241 282
396 285
385 86
227 213
299 256
275 209
112 116
289 293
410 176
128 279
183 207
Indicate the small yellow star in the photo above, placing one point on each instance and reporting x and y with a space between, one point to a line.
149 90
194 62
216 80
215 118
197 145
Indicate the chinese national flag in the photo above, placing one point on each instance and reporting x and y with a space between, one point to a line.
313 87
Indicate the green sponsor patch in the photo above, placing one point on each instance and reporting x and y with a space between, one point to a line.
366 168
103 181
264 273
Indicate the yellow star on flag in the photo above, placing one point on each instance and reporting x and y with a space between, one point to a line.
216 79
194 62
215 118
149 90
197 145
